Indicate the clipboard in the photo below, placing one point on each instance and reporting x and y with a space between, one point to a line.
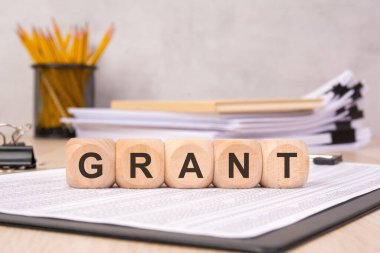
275 241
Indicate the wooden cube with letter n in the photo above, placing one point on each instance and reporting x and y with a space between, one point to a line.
238 163
285 163
188 163
90 163
140 163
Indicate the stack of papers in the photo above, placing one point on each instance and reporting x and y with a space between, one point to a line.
336 126
217 212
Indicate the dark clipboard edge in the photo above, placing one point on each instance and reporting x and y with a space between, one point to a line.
275 241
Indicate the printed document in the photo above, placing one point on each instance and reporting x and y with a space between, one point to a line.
229 213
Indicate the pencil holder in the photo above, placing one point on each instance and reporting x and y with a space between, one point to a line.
58 87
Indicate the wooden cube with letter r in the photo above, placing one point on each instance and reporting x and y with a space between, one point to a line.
90 163
140 163
285 163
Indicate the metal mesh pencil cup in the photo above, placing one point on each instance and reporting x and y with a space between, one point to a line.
58 87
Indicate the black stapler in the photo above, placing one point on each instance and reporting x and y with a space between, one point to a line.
15 154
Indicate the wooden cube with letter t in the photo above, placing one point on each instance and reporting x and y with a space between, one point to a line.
188 163
140 163
285 163
90 163
238 163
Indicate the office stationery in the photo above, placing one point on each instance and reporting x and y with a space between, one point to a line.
189 163
336 126
102 174
292 155
221 106
226 153
56 88
247 219
326 159
186 163
149 173
13 153
64 74
44 48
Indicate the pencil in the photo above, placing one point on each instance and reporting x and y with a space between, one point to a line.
61 88
106 39
51 47
58 35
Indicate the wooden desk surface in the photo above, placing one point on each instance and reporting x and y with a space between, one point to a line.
361 235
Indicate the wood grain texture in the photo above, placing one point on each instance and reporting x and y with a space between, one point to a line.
153 177
222 151
176 153
75 150
274 175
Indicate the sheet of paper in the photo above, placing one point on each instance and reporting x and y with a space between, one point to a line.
217 212
335 127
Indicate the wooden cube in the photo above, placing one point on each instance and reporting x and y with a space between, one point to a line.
188 163
140 163
285 163
237 163
90 163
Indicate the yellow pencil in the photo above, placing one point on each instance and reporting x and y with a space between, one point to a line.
36 41
46 51
61 88
74 46
67 40
58 35
47 47
27 42
106 39
53 48
79 47
85 42
28 48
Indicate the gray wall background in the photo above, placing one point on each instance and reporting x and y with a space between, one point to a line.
199 49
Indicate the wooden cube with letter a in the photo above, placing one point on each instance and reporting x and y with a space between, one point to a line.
140 163
285 163
90 163
237 163
188 163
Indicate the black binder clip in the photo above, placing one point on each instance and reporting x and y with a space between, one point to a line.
326 159
15 154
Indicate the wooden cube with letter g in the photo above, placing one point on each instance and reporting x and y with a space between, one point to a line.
90 163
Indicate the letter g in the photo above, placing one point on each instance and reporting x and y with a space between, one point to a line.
97 167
